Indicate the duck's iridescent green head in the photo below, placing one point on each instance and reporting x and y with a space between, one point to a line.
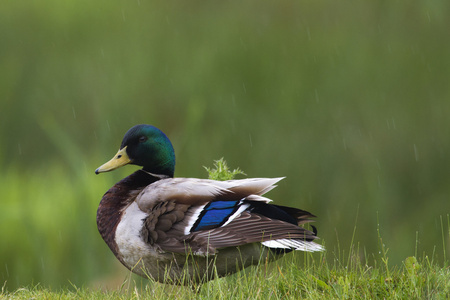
147 146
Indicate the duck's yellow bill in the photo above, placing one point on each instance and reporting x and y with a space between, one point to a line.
119 160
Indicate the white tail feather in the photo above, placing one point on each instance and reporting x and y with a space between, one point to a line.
294 244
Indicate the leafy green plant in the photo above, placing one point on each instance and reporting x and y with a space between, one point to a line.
221 171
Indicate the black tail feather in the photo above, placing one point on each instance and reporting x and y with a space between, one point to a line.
272 211
283 213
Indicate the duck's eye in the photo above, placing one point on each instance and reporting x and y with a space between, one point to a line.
142 139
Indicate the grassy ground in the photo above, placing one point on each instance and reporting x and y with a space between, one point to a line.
415 279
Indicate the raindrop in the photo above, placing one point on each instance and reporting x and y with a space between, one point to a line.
74 114
243 44
250 136
389 122
416 153
42 262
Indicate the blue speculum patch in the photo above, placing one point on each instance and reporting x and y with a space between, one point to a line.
215 214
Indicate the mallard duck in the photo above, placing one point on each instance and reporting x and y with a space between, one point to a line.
170 229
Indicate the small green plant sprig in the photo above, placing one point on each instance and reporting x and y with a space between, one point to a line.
222 172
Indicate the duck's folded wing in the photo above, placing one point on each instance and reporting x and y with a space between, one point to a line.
222 227
205 215
248 228
194 192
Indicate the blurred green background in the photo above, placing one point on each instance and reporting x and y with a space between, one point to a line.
348 99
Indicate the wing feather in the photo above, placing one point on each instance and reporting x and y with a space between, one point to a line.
205 216
247 228
194 191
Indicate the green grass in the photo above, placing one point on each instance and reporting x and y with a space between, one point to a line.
294 277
